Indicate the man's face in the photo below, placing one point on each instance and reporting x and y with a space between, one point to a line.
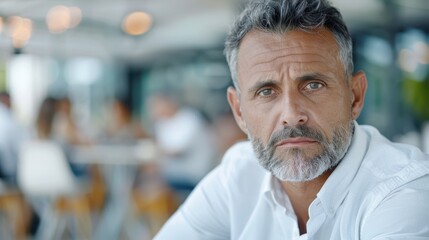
294 101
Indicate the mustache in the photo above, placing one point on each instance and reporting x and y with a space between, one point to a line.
293 132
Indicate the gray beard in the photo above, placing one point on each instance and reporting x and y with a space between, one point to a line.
297 168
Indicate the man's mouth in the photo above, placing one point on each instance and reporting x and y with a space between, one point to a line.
296 142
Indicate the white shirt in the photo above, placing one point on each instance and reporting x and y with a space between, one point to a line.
186 135
11 136
380 190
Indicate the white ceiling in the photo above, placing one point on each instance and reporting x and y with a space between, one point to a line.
178 24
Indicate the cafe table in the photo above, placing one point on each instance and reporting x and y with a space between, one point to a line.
119 164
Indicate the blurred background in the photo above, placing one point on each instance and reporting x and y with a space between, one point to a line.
130 95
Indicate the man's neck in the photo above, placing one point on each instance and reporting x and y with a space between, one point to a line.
301 195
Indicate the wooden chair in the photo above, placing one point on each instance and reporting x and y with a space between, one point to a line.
16 211
153 200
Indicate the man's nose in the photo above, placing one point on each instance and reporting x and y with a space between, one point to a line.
293 111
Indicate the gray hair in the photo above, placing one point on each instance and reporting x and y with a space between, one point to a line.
279 16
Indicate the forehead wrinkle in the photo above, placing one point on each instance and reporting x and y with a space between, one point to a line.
281 66
283 50
258 45
291 40
280 54
290 56
305 70
296 58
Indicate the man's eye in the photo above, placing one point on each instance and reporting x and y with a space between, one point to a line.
313 86
265 92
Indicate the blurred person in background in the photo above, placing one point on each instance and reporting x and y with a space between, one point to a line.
65 128
309 170
12 203
122 127
12 134
55 122
186 143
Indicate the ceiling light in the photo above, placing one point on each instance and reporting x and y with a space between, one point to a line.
136 23
19 30
60 18
75 16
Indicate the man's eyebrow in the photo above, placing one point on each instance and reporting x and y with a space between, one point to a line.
313 76
261 84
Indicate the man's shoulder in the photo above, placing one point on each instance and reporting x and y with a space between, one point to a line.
388 167
388 177
386 159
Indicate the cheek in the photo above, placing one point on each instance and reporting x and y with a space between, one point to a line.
340 118
328 115
344 111
258 125
334 109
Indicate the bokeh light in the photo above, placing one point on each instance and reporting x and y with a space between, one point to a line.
20 30
137 23
60 18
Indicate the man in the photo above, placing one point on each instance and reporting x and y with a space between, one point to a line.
184 139
310 171
11 136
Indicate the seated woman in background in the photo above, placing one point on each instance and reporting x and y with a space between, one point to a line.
55 122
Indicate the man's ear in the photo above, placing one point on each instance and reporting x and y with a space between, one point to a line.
358 88
234 103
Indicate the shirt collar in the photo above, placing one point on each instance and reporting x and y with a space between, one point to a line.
274 194
267 187
337 186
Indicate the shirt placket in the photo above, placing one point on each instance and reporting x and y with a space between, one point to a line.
317 217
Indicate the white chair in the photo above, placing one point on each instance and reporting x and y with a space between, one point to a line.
44 173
